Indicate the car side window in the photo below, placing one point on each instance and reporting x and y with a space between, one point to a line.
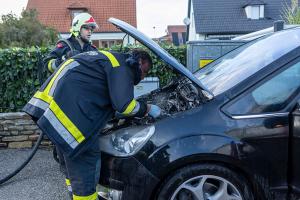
271 96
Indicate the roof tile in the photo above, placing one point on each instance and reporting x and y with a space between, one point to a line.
55 13
229 16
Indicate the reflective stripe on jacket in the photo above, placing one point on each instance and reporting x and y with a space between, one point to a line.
81 96
58 54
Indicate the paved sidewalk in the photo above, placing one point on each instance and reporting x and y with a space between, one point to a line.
40 179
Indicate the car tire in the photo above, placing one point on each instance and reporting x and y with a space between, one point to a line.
205 181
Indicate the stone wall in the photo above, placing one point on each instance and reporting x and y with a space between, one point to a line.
17 130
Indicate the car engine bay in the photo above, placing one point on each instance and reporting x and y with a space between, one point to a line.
178 96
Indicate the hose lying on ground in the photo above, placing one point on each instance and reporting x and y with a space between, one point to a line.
35 148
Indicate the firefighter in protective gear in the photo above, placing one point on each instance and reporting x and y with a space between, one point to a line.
79 41
78 100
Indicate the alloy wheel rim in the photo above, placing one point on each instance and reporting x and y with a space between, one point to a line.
207 187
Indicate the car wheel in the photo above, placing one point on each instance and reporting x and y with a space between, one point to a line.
205 182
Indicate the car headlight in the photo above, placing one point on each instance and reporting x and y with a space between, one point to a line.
126 142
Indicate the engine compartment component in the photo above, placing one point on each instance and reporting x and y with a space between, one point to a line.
177 96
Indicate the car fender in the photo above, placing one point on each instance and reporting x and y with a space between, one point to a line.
192 149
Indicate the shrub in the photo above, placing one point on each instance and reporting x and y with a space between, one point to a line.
22 72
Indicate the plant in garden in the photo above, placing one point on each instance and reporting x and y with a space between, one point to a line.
160 69
19 76
22 72
25 31
291 13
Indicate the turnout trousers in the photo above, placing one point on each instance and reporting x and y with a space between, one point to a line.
82 172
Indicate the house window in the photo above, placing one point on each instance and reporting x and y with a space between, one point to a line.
255 11
95 43
109 43
184 37
76 12
175 39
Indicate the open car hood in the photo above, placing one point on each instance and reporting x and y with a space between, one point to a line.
157 50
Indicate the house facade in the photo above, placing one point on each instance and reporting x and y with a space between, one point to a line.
225 19
59 14
176 35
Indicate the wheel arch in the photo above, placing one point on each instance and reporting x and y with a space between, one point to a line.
256 187
223 151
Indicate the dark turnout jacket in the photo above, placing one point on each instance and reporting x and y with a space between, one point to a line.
81 96
60 52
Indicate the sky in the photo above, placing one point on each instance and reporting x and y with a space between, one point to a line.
153 16
159 14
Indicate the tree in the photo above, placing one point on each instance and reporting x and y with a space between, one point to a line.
25 31
291 13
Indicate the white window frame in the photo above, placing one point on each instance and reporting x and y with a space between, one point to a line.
259 9
75 12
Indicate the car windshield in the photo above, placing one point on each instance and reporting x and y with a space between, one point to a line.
246 60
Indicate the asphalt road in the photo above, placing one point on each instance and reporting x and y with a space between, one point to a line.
40 179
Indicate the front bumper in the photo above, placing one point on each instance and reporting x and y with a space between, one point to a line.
128 176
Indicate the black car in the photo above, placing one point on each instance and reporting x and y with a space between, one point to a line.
231 131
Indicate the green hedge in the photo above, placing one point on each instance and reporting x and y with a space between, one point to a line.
21 72
19 69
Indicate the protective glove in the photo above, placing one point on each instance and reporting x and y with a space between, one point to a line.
154 111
